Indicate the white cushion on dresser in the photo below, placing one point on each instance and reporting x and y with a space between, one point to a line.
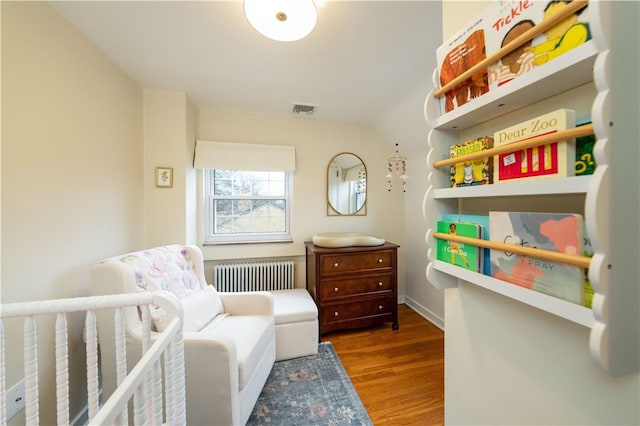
296 318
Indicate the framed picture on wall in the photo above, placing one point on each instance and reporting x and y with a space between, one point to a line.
164 177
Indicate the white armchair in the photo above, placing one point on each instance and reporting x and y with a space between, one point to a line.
229 338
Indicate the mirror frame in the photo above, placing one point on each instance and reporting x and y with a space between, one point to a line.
331 211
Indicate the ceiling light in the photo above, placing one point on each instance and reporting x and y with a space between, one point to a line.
282 20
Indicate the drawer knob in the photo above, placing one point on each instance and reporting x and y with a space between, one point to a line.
380 260
379 283
335 289
335 265
335 314
380 307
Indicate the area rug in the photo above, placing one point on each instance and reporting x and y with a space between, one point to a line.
311 390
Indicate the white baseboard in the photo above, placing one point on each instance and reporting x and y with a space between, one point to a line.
424 312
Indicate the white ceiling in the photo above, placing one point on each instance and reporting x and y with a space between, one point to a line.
362 57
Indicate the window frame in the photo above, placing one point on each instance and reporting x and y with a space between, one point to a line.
209 235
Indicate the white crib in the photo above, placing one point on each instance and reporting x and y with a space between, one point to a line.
143 383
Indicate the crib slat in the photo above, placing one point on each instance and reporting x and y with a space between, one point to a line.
62 370
121 358
156 396
179 402
92 363
170 385
146 342
31 371
138 406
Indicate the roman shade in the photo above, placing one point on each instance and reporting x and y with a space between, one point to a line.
244 156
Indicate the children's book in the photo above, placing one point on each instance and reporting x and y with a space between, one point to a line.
512 18
473 172
585 163
553 160
500 23
559 232
457 55
466 256
483 222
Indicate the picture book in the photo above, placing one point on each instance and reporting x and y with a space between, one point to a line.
457 55
483 222
473 172
501 22
466 256
512 18
585 163
545 161
560 232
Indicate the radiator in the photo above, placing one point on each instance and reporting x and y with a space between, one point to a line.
258 276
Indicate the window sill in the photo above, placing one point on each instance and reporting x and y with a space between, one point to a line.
226 243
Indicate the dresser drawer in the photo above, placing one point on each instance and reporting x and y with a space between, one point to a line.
339 263
333 289
356 309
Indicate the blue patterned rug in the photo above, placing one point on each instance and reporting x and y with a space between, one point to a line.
311 390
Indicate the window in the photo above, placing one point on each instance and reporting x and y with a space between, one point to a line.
247 191
246 206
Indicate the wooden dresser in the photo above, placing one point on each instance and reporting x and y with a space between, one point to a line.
353 286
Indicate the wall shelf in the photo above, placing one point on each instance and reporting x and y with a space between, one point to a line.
553 305
614 335
569 185
566 72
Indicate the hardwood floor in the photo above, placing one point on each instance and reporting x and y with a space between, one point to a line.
399 375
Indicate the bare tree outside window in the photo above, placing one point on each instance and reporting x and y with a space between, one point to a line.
245 205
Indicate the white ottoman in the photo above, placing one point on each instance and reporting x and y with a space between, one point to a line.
296 318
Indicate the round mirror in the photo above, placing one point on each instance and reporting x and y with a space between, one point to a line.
346 185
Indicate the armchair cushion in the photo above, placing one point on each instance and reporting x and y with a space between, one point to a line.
248 303
249 346
199 307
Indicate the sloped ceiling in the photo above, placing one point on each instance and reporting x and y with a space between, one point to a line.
362 57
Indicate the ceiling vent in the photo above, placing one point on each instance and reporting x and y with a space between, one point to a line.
303 110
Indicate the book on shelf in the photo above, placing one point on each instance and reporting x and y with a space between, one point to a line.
466 256
552 160
501 22
585 163
464 50
483 222
558 232
472 172
512 18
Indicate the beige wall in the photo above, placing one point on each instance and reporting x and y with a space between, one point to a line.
169 140
316 142
173 215
405 123
71 174
508 363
